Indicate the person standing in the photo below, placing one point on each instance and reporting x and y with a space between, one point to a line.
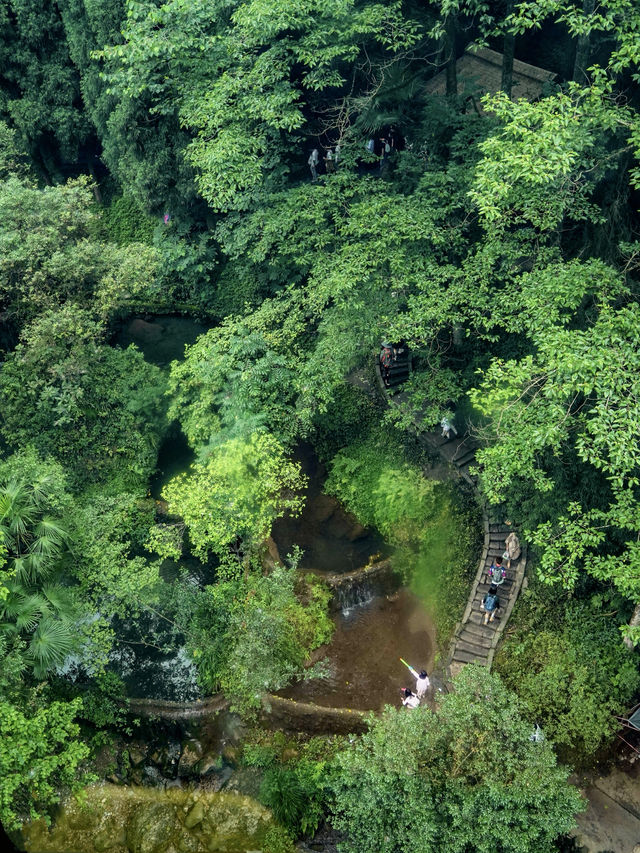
512 548
386 359
314 159
329 163
490 604
422 684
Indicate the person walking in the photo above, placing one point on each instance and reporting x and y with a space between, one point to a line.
448 427
490 604
314 159
512 548
496 572
329 163
410 700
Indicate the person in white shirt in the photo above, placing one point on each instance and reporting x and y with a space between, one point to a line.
314 159
410 700
422 684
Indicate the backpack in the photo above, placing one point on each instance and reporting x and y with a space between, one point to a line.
490 602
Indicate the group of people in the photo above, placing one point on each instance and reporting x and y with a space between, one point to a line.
496 575
410 698
378 151
331 159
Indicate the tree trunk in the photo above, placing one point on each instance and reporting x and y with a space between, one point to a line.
633 623
450 56
583 47
508 50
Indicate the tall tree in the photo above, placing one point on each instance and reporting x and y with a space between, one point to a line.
468 775
243 75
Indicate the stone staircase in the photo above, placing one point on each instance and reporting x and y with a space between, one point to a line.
472 642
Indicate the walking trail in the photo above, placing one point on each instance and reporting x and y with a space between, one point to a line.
472 641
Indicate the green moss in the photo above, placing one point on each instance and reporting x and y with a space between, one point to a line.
148 820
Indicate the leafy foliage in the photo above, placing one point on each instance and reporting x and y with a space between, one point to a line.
50 256
97 409
468 774
41 756
233 498
253 635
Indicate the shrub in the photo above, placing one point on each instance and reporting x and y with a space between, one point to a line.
571 677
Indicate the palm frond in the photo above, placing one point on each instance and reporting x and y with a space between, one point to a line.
49 532
61 600
51 643
26 610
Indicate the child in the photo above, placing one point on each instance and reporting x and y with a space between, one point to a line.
422 684
490 604
410 701
496 572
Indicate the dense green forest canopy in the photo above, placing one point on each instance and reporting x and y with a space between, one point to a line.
158 157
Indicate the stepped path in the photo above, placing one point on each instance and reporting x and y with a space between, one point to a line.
472 641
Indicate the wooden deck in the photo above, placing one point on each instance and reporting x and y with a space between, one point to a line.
472 641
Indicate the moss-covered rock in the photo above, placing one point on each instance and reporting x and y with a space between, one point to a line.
146 820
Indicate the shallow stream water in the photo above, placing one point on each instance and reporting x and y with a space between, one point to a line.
363 658
364 655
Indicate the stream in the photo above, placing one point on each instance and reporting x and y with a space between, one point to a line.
373 629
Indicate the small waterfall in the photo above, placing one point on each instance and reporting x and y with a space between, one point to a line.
356 594
355 589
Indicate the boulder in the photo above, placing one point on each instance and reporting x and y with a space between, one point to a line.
151 827
189 757
143 332
321 508
358 531
195 815
211 762
137 754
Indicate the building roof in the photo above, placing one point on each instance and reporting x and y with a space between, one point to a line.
480 71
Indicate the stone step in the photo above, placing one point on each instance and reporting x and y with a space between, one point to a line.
481 644
477 651
482 632
464 458
468 657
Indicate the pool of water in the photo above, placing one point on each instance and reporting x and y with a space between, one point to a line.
160 338
332 540
365 671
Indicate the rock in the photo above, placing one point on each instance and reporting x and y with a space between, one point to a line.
188 844
339 525
151 777
137 755
269 554
143 332
191 754
195 816
173 783
151 828
321 508
230 755
358 531
211 762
